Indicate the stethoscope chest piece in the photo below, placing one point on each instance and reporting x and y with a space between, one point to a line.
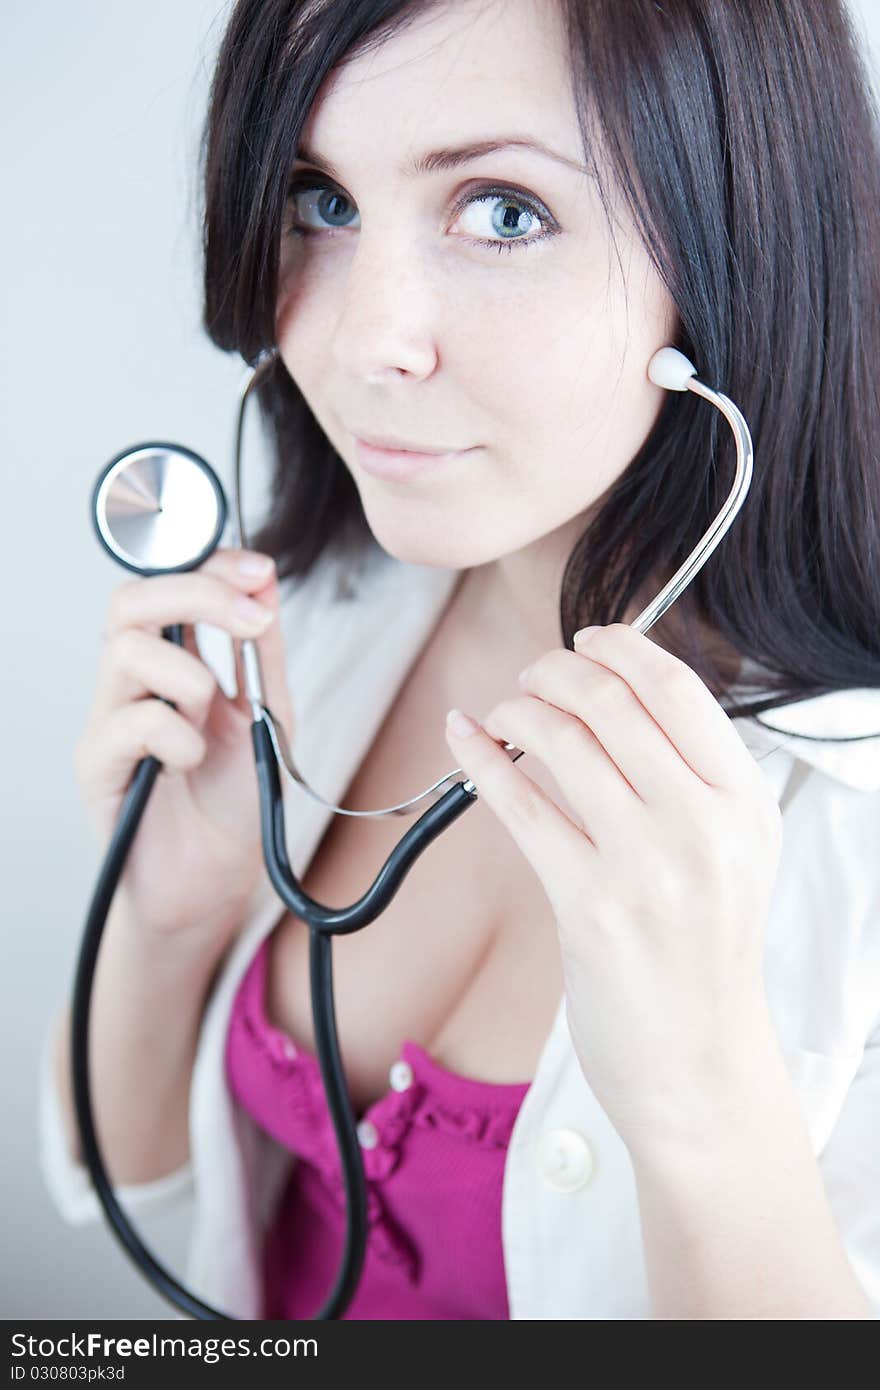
158 508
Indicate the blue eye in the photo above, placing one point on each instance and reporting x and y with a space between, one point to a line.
329 203
511 212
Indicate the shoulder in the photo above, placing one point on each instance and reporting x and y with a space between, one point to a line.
823 757
822 951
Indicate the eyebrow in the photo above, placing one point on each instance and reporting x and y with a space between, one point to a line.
451 158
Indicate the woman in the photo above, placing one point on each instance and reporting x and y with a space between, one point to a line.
614 1045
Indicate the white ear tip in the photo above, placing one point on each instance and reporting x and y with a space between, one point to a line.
670 369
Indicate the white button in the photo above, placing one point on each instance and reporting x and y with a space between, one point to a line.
290 1049
367 1134
400 1076
565 1159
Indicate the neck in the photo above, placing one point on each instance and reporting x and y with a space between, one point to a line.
513 602
509 608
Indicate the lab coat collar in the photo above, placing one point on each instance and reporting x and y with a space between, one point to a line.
842 714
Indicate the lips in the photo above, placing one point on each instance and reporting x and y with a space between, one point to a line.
398 446
397 465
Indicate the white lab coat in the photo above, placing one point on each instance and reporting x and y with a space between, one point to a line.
570 1225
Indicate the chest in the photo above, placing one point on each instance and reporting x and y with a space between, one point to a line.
465 959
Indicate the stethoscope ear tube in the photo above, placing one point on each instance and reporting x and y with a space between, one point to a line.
340 921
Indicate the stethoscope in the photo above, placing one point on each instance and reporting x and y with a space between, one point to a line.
160 508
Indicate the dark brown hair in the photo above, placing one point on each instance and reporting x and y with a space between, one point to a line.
744 141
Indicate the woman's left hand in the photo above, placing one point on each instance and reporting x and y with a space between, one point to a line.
660 887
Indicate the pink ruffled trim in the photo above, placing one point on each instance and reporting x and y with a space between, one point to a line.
482 1113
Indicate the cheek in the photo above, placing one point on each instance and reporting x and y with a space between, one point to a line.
301 332
295 296
311 285
549 383
304 346
586 386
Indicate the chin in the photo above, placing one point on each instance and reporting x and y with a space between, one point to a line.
437 556
442 550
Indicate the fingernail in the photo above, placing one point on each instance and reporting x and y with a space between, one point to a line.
524 675
255 566
256 615
584 634
460 724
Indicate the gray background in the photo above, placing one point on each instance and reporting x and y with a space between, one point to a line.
102 348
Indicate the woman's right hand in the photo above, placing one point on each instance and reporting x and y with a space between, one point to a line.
197 853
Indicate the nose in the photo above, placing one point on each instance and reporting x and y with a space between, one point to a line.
386 324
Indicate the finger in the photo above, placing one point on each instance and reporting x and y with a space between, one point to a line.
596 793
148 727
190 640
206 596
136 664
543 832
603 705
272 653
676 698
192 645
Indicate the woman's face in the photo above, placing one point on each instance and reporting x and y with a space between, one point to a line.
481 307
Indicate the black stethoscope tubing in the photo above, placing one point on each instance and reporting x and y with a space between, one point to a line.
323 923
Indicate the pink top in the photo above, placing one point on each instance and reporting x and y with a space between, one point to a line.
434 1149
